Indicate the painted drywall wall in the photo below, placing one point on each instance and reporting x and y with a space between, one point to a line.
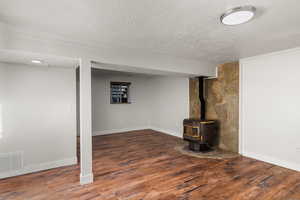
270 105
38 118
111 118
157 102
169 104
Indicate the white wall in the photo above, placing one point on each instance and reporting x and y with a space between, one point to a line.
157 102
270 108
169 104
38 118
110 118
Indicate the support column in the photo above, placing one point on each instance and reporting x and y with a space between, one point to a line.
86 172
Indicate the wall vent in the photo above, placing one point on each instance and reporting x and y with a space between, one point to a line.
4 162
11 161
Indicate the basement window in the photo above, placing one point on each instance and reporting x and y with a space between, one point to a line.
119 92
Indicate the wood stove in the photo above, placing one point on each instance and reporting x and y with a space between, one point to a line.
200 133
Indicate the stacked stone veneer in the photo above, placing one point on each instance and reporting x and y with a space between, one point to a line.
222 103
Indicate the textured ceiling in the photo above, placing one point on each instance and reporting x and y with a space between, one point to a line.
187 29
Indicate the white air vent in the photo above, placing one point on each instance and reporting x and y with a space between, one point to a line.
4 162
10 162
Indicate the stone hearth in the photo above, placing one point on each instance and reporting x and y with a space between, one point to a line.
214 154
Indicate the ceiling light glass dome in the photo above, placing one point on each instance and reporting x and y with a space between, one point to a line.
238 15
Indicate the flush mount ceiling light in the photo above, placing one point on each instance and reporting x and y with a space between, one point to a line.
238 15
37 61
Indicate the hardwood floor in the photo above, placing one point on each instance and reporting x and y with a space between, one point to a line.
143 165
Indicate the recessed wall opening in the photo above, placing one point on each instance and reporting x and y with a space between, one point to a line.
156 100
147 95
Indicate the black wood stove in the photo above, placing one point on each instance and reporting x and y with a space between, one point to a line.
200 133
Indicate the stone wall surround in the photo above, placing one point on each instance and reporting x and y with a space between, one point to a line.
222 103
194 98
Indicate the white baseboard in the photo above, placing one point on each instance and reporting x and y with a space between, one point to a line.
39 167
169 132
272 160
106 132
86 179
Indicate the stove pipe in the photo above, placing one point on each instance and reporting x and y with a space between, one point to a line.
201 80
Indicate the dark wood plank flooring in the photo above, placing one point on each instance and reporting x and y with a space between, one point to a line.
143 165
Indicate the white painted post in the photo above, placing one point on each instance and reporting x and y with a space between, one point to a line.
86 172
